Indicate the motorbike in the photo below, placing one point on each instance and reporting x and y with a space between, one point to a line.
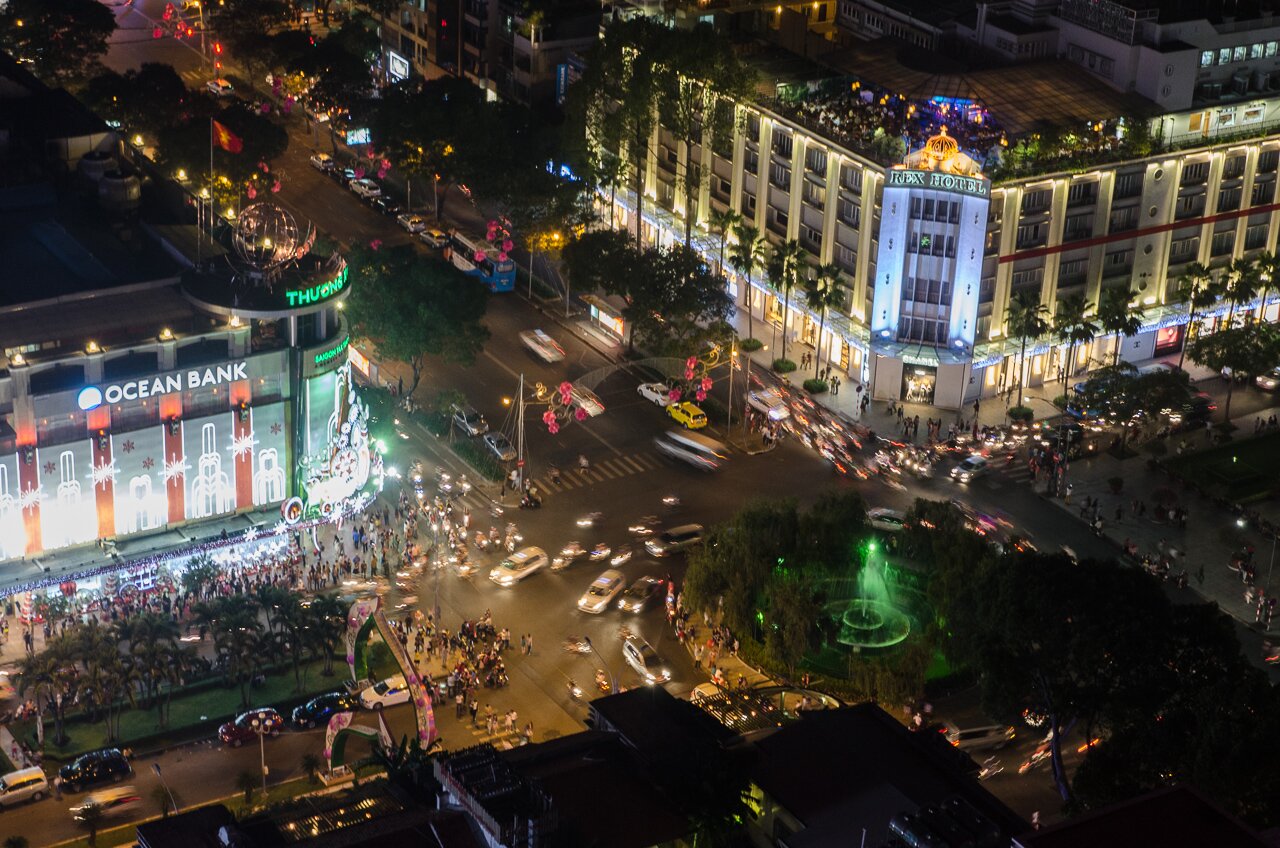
621 556
599 552
643 527
991 766
602 680
577 645
530 501
575 691
570 552
591 519
671 501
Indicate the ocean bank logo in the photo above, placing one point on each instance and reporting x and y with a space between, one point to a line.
90 397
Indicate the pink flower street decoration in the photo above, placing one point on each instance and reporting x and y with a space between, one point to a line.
700 395
490 235
264 167
479 257
359 173
370 155
287 108
691 362
386 164
580 414
492 225
502 256
674 395
251 192
548 418
275 187
688 373
553 427
382 173
566 391
706 384
507 244
265 108
376 244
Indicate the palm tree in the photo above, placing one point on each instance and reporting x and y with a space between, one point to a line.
1243 281
50 677
311 764
784 276
246 783
328 624
90 818
1268 265
1025 318
181 663
821 293
1118 317
1072 325
1201 290
746 256
723 223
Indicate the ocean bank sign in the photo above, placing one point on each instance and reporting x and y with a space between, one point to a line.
91 397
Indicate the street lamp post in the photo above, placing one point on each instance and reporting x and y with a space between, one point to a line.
156 768
263 725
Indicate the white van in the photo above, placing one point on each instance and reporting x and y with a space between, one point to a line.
702 452
28 784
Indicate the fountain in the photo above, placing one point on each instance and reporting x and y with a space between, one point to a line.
870 621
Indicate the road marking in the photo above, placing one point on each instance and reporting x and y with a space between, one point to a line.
489 355
609 471
634 463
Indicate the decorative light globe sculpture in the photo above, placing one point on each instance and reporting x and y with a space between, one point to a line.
266 238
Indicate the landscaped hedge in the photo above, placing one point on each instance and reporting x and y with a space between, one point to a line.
783 366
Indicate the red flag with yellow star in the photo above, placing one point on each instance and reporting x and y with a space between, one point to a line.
226 139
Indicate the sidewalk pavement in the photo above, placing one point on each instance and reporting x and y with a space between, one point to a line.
1207 541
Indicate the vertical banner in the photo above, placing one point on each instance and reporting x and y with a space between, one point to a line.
28 495
103 476
174 469
242 444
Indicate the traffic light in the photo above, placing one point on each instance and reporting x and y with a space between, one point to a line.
217 48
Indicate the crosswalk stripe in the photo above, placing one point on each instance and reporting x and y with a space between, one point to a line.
607 469
634 463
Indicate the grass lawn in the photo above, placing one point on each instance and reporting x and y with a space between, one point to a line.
1243 468
190 714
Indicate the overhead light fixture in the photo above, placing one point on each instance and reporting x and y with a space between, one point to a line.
92 347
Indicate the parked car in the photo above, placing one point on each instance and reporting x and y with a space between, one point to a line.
1269 381
675 539
641 656
241 730
110 802
543 346
412 222
688 414
972 468
518 566
586 400
770 403
366 188
105 765
220 87
981 738
385 205
500 446
889 520
659 393
320 708
602 592
343 176
433 237
640 593
468 420
322 162
385 693
28 784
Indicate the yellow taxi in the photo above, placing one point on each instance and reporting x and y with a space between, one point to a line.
688 414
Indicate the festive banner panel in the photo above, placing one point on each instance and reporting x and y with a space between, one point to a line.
68 511
141 502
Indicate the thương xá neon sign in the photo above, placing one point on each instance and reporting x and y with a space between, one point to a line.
319 292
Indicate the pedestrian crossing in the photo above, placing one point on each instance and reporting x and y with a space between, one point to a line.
600 471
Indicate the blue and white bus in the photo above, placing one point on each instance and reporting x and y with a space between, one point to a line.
479 258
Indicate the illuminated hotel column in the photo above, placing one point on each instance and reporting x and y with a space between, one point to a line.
28 485
175 479
242 443
104 485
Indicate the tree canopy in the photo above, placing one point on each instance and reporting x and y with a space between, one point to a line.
62 39
413 308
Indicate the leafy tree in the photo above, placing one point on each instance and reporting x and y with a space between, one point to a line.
1117 316
339 62
413 308
674 298
794 608
247 783
185 144
746 255
199 575
50 677
311 764
822 292
144 99
61 39
16 841
784 277
247 26
1246 350
326 627
1025 319
1072 325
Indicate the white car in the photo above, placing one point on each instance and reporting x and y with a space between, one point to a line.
602 591
972 468
322 162
1269 381
586 400
412 223
500 446
366 188
220 87
889 520
641 656
659 393
518 566
387 693
769 402
433 237
543 346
